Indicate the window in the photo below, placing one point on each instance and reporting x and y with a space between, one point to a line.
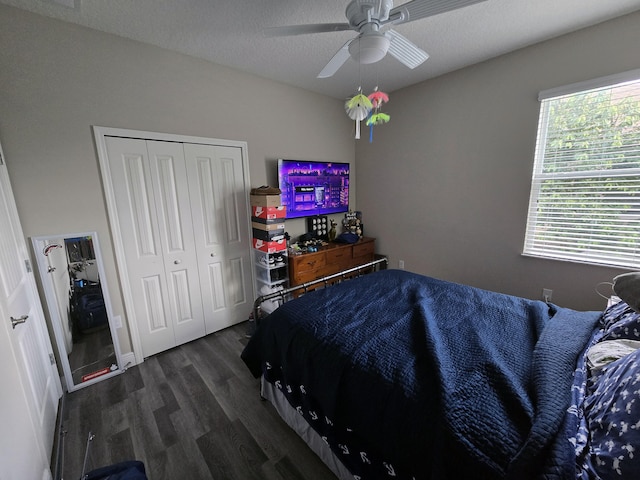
585 190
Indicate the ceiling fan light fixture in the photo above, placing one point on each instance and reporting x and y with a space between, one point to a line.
369 48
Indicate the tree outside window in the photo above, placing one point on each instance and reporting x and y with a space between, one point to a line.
585 196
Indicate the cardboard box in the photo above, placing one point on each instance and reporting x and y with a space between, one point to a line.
266 222
269 213
269 247
268 235
275 224
265 200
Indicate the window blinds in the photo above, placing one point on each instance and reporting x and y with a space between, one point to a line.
585 191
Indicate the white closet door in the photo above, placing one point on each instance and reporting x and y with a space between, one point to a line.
169 175
220 222
147 189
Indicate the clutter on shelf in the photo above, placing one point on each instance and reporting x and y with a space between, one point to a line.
269 243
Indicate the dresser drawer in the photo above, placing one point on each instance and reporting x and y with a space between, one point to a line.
308 262
363 249
300 278
338 256
332 259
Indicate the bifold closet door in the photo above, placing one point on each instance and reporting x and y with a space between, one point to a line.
154 215
221 225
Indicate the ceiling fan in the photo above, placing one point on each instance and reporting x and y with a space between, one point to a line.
368 17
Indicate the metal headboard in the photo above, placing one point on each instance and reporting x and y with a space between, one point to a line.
343 275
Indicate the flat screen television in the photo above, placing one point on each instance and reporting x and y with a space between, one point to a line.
313 188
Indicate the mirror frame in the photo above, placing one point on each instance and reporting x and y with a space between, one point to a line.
53 313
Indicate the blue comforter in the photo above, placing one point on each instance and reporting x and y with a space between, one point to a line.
406 376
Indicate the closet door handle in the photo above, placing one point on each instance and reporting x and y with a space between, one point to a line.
176 262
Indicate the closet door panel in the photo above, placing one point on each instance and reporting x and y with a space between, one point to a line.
187 314
138 209
169 211
169 177
137 218
206 218
154 306
237 294
221 227
216 283
226 182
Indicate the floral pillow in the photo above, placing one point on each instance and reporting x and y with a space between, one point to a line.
620 321
612 410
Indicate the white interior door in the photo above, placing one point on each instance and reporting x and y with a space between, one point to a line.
144 263
149 182
222 238
169 177
30 384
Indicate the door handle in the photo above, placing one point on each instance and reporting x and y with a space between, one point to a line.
176 262
17 321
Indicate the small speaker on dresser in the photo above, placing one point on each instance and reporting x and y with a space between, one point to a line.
318 226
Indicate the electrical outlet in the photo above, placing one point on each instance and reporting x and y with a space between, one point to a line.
401 264
547 293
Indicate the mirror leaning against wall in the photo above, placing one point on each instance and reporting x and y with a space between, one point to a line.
79 307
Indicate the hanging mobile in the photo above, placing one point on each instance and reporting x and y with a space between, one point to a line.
358 108
376 117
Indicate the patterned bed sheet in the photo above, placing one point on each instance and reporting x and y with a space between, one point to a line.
606 403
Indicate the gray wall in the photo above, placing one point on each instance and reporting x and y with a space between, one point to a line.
57 80
445 185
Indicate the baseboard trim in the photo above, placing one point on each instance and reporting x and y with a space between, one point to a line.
128 360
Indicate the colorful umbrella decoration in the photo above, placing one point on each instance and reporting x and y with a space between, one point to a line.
378 98
358 109
376 117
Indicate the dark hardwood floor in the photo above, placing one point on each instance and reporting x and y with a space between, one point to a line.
193 412
92 351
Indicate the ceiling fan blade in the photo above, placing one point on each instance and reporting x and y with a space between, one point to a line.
417 9
404 50
305 29
336 61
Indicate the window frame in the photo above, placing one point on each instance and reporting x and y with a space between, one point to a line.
536 245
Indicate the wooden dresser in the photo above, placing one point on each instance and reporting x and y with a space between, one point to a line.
330 259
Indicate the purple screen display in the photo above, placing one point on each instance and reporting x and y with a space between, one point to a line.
313 188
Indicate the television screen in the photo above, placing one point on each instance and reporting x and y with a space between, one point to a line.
313 188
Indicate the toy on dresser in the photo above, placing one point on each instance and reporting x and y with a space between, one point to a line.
352 223
332 231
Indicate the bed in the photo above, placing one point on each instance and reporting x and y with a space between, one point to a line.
398 375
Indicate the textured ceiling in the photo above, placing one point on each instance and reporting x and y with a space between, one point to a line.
230 32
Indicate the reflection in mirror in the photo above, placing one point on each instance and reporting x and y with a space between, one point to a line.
78 304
